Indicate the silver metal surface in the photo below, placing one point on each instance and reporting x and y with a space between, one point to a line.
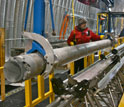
49 56
97 68
16 23
111 74
2 13
60 56
24 67
9 24
119 48
107 97
71 53
20 22
29 20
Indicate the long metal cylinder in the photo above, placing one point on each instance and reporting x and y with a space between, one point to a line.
2 13
117 49
9 24
26 66
72 53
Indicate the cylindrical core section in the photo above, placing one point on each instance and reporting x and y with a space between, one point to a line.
23 67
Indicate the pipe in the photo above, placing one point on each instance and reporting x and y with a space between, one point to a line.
9 25
20 21
52 17
2 13
68 54
16 21
62 56
15 68
117 49
28 26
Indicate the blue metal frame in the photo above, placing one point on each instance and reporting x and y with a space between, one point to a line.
37 47
39 17
38 25
52 17
26 17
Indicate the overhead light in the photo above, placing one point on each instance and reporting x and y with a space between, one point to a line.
110 9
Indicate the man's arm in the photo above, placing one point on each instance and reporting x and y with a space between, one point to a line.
70 39
94 36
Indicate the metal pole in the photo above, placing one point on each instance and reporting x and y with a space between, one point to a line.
23 67
2 13
117 49
68 54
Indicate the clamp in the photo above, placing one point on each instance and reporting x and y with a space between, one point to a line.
111 37
77 89
42 45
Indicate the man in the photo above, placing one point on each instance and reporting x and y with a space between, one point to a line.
81 34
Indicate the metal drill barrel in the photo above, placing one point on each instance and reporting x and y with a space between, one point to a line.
23 67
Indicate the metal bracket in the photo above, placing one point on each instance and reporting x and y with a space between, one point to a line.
112 38
77 89
44 43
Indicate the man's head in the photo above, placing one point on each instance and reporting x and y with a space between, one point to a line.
82 23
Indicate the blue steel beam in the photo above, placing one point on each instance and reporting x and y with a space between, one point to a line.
26 17
38 23
52 17
39 17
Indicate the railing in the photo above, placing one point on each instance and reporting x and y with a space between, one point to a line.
41 91
2 84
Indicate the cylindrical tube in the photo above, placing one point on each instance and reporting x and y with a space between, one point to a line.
68 54
26 66
117 49
23 67
2 13
9 25
29 16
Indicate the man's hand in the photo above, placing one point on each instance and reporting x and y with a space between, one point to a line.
102 36
71 43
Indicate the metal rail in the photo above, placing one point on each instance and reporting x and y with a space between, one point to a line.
102 77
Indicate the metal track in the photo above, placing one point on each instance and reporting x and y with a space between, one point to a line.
105 84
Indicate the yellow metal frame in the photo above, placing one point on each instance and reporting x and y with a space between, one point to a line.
73 15
121 104
101 14
41 91
122 23
2 61
85 62
2 84
72 68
